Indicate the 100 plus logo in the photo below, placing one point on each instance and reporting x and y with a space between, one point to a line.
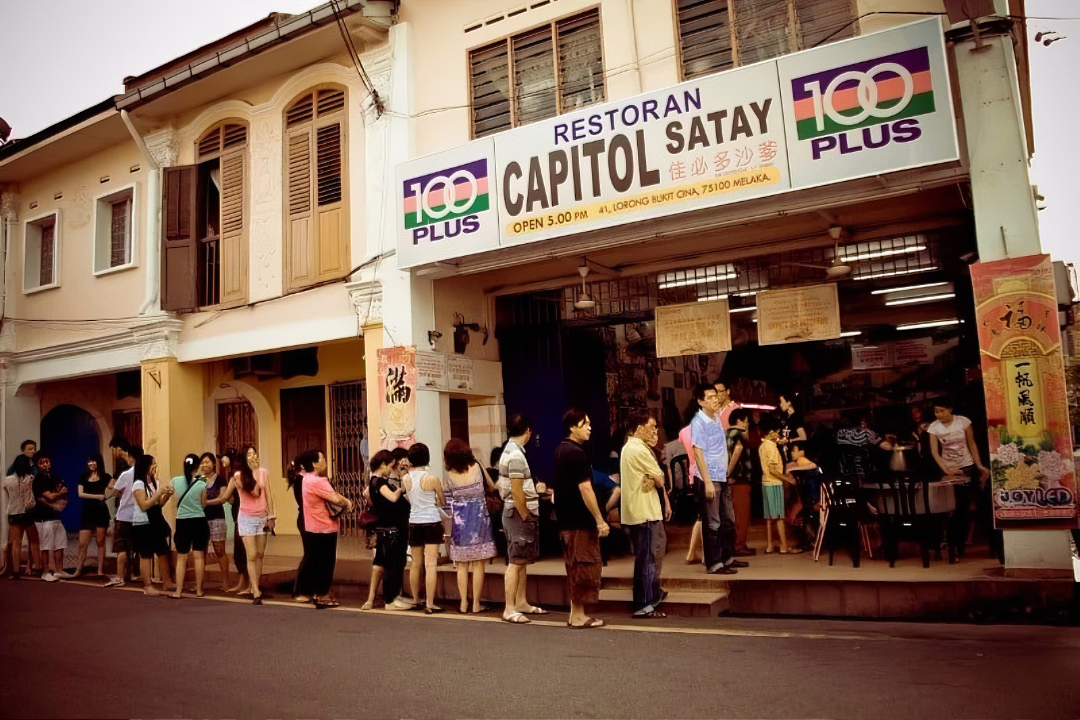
443 205
865 105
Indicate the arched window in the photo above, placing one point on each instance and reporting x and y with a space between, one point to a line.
316 189
205 254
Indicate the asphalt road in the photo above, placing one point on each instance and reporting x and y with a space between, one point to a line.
73 651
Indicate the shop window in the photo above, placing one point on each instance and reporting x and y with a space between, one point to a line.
114 230
303 422
41 253
716 35
316 189
555 68
237 426
205 241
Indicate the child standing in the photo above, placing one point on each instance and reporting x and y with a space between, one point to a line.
772 483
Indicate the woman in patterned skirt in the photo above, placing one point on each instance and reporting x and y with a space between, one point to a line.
471 539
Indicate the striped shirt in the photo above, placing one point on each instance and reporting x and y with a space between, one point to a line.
514 466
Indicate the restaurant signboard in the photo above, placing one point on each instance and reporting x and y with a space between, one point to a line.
798 315
1031 450
696 328
397 396
855 108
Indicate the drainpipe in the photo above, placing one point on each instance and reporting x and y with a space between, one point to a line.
153 223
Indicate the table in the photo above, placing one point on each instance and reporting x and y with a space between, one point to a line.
942 495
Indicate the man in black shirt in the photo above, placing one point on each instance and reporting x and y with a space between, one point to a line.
580 522
51 496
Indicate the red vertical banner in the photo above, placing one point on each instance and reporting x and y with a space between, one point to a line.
1031 450
397 396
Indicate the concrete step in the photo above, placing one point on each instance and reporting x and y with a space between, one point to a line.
681 603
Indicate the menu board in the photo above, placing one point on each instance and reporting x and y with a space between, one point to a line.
695 328
431 371
798 315
461 372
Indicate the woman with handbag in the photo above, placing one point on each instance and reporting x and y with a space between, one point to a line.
148 528
391 510
471 540
322 508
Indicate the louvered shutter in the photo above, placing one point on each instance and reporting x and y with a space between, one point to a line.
300 262
704 37
234 259
763 30
820 19
581 61
332 251
490 78
535 94
179 252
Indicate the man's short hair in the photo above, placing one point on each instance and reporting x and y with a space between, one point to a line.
572 418
419 455
41 455
400 454
517 425
701 389
737 416
768 424
136 452
25 443
638 417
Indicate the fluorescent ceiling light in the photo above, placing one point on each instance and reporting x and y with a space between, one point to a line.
695 281
888 291
751 406
743 309
882 253
925 325
894 273
921 299
711 298
851 333
748 293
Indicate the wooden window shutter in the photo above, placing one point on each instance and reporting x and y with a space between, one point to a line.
489 70
581 61
818 20
535 94
179 252
300 257
234 261
332 251
704 37
763 30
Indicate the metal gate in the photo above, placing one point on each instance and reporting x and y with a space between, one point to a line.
348 424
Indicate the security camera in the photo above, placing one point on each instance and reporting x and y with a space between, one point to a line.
433 337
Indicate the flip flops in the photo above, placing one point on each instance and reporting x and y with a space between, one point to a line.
590 623
653 615
516 619
533 610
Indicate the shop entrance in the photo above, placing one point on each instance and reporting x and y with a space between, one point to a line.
70 434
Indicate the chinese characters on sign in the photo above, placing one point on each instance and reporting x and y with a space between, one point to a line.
696 328
431 371
1024 376
462 373
397 395
798 315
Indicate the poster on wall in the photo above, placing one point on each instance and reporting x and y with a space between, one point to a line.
798 315
431 371
1031 450
693 329
397 396
462 373
871 357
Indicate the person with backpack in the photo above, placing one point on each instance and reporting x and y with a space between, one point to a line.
192 527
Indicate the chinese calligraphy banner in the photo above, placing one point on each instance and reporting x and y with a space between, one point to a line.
696 328
397 395
1024 375
798 315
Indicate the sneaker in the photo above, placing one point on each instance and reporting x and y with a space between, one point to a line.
49 577
400 604
114 582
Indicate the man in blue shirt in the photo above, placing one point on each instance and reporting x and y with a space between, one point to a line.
714 494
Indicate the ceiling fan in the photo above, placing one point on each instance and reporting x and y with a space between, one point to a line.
584 301
838 269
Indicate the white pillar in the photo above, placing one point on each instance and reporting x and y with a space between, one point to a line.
1006 224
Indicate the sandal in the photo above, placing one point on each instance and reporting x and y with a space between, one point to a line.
652 615
516 619
770 551
533 610
590 623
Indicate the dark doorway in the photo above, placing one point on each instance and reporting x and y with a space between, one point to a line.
303 422
69 434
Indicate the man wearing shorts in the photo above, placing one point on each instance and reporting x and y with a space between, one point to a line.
125 514
581 524
521 520
48 490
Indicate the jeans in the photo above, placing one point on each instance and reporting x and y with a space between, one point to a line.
650 544
393 547
717 525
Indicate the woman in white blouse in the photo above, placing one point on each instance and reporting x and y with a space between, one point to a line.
952 444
